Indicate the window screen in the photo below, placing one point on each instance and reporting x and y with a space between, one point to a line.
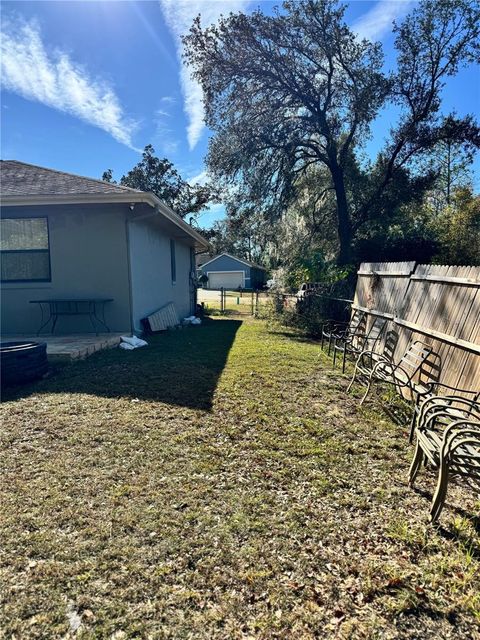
24 249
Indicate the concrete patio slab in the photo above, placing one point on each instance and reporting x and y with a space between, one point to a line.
71 347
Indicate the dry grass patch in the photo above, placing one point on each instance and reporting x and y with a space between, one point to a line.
221 484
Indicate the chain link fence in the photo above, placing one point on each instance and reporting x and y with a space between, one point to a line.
308 311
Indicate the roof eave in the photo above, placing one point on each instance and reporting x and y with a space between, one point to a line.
106 198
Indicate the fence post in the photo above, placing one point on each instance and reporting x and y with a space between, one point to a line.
256 303
221 300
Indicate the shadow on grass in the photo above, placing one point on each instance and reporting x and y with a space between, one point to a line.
449 535
178 367
295 335
228 313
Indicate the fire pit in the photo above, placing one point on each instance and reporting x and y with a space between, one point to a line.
22 361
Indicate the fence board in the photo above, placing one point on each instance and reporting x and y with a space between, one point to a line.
438 304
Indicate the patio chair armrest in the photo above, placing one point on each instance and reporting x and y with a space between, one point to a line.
329 324
432 403
339 332
349 337
400 383
358 334
439 406
429 417
434 386
447 401
383 362
366 352
458 433
428 389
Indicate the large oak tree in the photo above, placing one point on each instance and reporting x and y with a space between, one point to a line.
298 88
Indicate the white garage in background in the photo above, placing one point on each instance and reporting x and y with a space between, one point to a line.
226 279
230 272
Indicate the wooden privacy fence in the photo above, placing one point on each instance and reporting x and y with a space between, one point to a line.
437 304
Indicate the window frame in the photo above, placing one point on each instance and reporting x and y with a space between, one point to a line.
27 280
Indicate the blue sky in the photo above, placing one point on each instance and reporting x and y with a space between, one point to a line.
86 85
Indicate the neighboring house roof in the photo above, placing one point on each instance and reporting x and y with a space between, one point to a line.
202 258
25 184
246 262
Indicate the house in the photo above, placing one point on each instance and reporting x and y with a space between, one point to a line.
67 236
231 273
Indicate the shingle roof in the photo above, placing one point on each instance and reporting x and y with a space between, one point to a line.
22 179
229 255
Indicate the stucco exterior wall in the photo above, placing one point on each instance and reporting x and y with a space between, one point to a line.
152 285
88 256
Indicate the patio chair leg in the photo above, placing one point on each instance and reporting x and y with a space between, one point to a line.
334 353
367 390
344 359
354 377
416 464
412 426
440 494
329 345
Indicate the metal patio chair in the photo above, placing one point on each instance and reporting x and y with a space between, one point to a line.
455 402
333 329
368 358
418 366
356 343
452 447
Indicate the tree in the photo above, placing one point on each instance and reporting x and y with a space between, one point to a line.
296 89
458 229
450 162
243 233
160 177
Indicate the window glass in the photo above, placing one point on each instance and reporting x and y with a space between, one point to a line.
24 234
24 246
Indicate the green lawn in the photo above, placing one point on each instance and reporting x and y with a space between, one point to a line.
221 484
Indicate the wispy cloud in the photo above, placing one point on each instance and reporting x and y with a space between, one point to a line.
55 80
167 100
164 136
199 179
179 15
377 22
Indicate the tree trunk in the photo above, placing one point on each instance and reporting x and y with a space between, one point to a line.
449 170
344 224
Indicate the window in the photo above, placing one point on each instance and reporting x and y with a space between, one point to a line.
173 264
24 250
